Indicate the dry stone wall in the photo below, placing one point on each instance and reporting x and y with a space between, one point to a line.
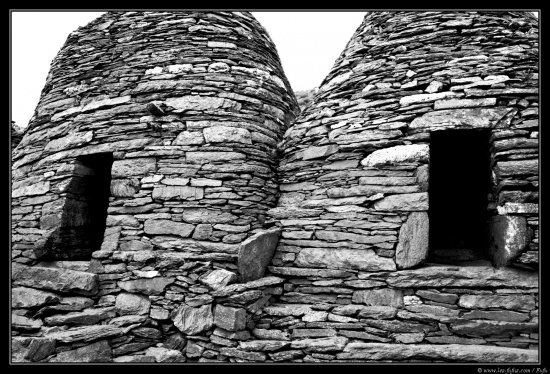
191 106
354 196
176 115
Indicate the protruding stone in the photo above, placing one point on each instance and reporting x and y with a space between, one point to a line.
381 297
96 352
403 202
127 303
23 297
152 286
55 279
192 321
255 253
508 236
218 278
232 319
412 248
398 154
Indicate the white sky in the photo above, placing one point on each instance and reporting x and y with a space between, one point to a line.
308 43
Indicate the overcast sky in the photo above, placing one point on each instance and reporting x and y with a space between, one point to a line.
308 43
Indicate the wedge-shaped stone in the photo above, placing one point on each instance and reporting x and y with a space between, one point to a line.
356 259
192 321
218 278
508 236
404 202
479 118
398 154
23 297
447 352
380 297
320 345
55 279
412 248
255 254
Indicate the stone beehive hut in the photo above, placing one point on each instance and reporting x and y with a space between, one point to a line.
409 195
150 158
406 225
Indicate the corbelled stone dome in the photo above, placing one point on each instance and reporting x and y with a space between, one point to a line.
446 96
187 106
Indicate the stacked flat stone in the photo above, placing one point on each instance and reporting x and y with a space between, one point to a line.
191 105
354 196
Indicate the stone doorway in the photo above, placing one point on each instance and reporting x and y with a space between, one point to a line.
80 215
459 184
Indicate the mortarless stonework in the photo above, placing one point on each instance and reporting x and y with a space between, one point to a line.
192 106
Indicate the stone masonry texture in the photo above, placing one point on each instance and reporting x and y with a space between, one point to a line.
238 229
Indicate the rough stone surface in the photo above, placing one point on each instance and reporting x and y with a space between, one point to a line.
55 279
508 237
24 297
96 352
232 319
398 154
412 248
127 303
343 259
191 320
450 352
255 253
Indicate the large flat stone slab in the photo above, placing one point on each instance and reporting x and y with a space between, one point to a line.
477 118
192 321
412 248
463 276
403 202
332 258
508 236
397 155
447 352
55 279
255 254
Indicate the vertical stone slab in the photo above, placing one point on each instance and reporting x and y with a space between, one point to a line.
508 236
255 254
412 248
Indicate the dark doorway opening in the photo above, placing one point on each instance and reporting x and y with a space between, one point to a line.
82 225
459 184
